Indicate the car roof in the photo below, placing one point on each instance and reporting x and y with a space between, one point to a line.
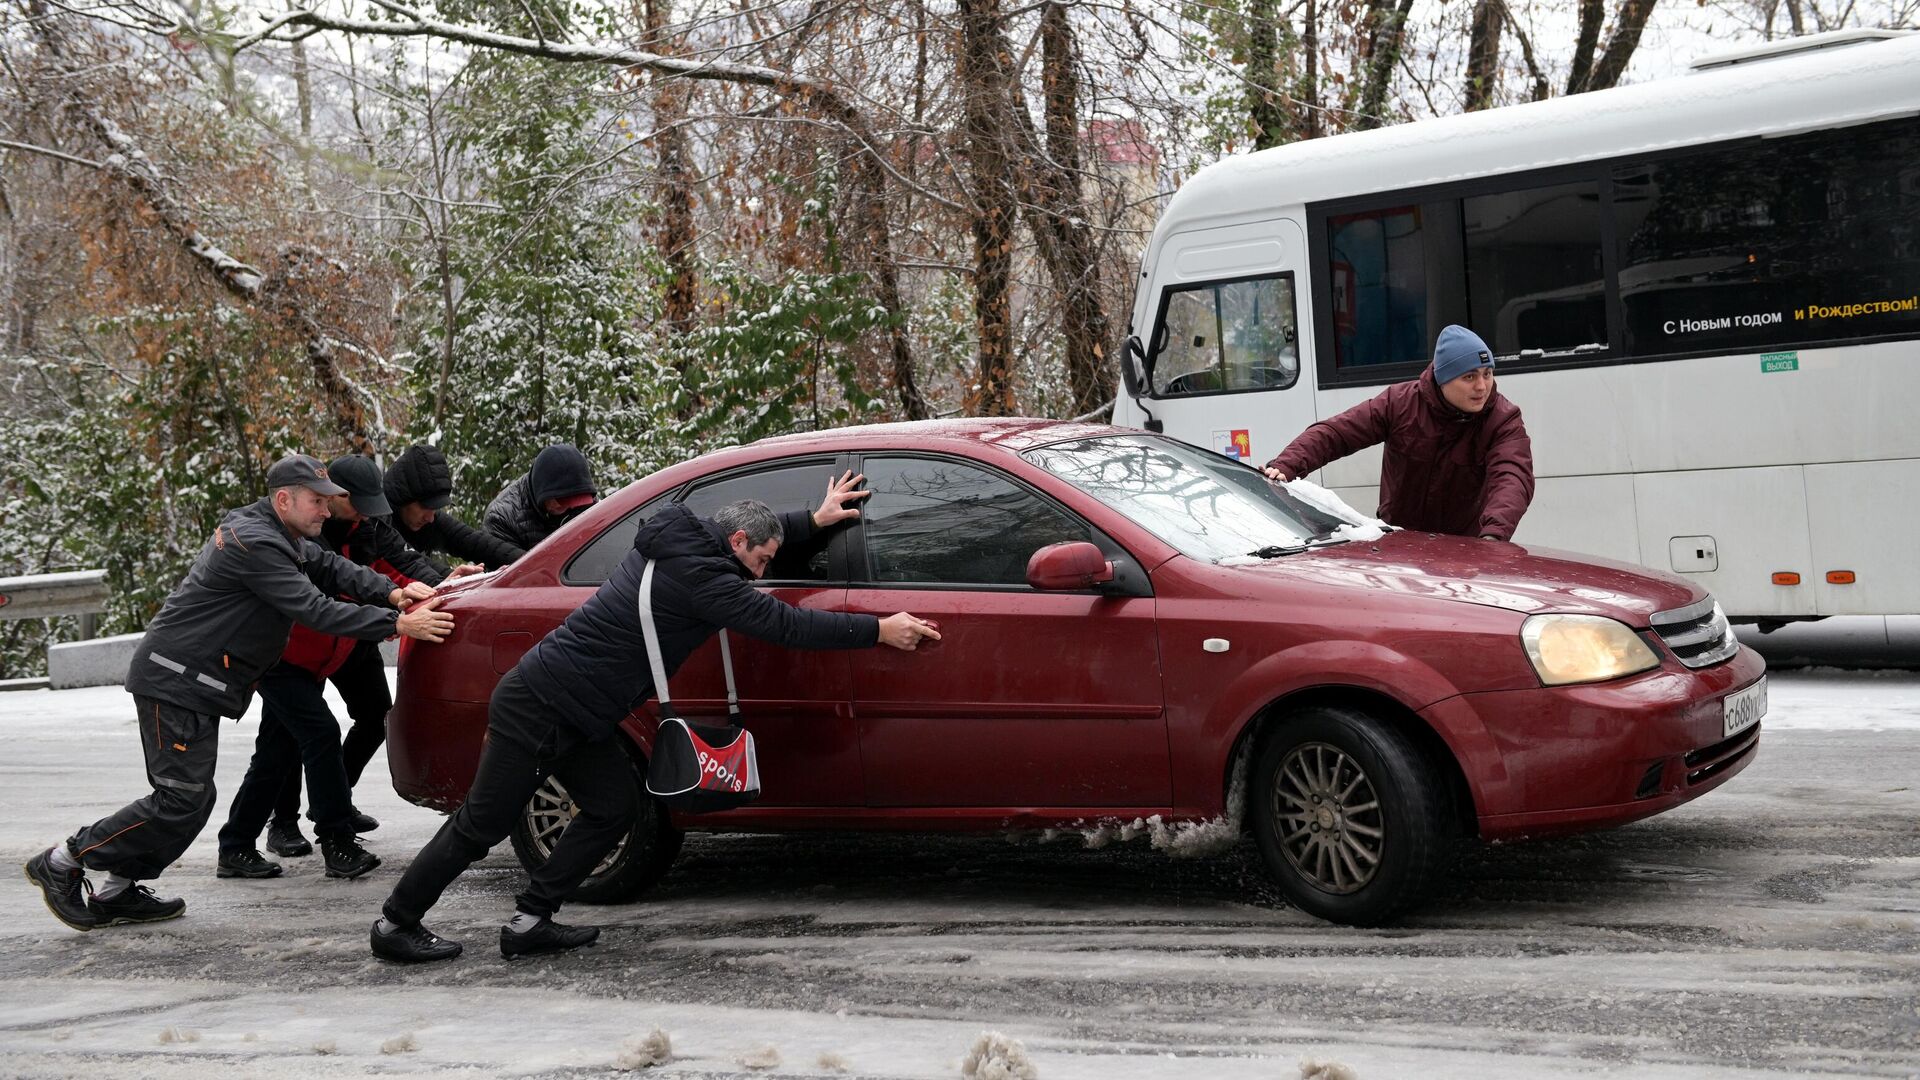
1009 433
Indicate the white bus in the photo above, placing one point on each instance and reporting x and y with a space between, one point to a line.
1704 293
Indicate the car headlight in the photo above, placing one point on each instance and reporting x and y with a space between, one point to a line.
1583 648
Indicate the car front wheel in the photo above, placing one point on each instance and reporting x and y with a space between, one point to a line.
1351 819
639 860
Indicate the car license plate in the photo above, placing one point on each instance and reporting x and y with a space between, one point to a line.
1744 709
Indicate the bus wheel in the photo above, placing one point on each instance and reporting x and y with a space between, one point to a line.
1350 818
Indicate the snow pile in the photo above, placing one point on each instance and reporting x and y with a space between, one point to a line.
326 1047
1183 839
1333 506
178 1035
833 1062
400 1044
996 1057
1315 1069
764 1058
655 1049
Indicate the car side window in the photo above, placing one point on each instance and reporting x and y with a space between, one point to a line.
595 562
783 487
937 521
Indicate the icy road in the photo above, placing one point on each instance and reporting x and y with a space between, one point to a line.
1771 928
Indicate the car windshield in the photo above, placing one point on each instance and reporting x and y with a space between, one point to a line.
1205 505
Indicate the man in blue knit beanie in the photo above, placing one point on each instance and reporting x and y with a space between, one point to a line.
1457 457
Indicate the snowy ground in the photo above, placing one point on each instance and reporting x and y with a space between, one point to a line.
1771 928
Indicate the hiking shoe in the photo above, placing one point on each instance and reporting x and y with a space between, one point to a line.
285 840
545 937
134 904
346 858
363 823
246 863
411 945
62 892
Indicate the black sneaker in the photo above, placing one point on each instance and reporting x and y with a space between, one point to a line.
364 823
134 904
284 839
246 863
62 892
546 936
346 858
411 945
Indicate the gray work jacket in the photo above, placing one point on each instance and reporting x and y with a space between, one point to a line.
227 622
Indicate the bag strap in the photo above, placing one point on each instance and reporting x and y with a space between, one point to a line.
652 635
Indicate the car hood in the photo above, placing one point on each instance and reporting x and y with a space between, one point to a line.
1489 573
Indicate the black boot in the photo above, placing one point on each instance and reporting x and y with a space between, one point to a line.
285 840
247 863
364 823
134 904
65 894
546 936
345 857
411 945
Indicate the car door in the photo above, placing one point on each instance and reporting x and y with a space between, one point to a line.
1031 699
797 703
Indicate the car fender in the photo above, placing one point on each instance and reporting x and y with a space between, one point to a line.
1336 665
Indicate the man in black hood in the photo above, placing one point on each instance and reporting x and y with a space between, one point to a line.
419 485
552 493
559 710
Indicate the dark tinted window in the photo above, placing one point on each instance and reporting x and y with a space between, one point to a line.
783 488
1377 280
1809 238
596 561
946 522
1233 335
1534 274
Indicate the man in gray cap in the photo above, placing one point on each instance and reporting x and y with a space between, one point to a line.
297 729
219 630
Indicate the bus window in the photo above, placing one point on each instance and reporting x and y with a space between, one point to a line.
1790 241
1377 280
1227 336
1534 274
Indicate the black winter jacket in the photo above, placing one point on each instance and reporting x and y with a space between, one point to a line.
592 669
420 474
227 622
513 516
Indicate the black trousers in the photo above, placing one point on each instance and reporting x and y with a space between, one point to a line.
525 743
144 837
296 728
362 683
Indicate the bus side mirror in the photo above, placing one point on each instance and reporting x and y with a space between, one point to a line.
1135 368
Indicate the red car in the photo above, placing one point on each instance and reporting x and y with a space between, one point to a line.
1130 625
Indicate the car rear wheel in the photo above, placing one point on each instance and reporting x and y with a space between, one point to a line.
640 859
1350 817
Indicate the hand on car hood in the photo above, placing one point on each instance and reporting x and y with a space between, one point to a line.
1492 573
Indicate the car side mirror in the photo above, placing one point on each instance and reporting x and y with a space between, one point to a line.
1067 566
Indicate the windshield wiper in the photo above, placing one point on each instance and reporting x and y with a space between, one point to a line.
1274 551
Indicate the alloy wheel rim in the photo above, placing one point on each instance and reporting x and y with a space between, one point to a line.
549 813
1328 813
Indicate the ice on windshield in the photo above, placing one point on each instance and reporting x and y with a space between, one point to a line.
1206 506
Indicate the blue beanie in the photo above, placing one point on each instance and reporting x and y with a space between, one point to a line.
1458 351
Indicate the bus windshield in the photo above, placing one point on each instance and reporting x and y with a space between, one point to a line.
1206 506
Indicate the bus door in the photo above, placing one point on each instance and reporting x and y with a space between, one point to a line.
1226 330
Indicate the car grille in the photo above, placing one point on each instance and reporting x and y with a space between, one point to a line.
1710 761
1698 634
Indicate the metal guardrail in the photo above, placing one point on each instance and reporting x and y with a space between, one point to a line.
40 596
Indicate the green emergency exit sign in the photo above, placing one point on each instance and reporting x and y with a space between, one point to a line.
1779 361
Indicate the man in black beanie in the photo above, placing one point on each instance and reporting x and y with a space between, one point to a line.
419 485
552 493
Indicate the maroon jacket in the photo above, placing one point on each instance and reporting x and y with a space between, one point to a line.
1443 470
